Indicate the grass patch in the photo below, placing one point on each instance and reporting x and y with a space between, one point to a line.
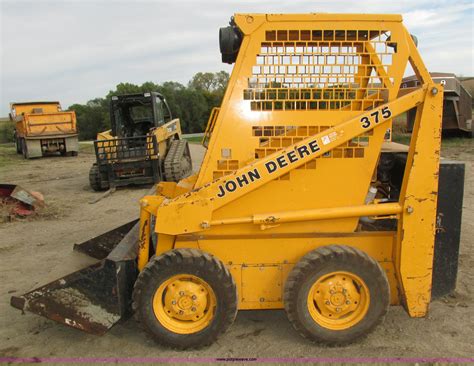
457 142
6 130
8 156
446 141
86 147
194 139
401 138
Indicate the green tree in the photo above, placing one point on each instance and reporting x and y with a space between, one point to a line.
192 104
221 81
172 92
124 88
212 86
91 118
205 81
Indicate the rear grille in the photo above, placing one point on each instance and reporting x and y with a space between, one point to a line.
128 148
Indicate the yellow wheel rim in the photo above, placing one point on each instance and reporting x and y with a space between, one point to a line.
338 300
184 304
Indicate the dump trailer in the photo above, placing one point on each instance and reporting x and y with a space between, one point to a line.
298 204
457 103
43 128
144 145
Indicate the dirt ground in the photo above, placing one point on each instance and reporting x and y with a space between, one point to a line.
36 251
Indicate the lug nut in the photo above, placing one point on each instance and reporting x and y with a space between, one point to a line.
348 302
194 297
332 292
327 302
181 293
338 310
193 309
181 312
173 302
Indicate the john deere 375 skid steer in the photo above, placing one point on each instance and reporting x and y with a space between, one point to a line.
144 145
299 203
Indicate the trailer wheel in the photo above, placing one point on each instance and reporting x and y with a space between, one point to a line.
336 294
97 180
185 298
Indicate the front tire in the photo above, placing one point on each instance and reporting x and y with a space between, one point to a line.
336 294
185 298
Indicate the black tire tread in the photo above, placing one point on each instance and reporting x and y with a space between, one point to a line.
24 149
95 180
18 145
316 259
172 164
192 257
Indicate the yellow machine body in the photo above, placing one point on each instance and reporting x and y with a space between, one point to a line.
44 127
292 152
166 132
42 119
298 204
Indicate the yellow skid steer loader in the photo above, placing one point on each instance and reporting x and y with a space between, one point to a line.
298 205
144 145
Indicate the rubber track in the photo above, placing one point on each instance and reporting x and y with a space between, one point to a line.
94 179
172 164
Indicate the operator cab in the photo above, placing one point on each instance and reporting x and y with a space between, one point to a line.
135 115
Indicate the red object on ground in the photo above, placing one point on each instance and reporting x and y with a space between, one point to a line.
18 201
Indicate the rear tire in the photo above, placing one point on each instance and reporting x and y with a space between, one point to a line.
97 180
336 294
185 298
24 149
18 145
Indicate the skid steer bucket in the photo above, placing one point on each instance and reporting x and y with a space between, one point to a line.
92 299
101 246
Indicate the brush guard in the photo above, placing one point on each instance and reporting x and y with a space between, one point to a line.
92 299
129 160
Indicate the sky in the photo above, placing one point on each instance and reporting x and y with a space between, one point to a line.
74 51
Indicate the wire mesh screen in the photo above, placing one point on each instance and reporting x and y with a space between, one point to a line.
321 70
